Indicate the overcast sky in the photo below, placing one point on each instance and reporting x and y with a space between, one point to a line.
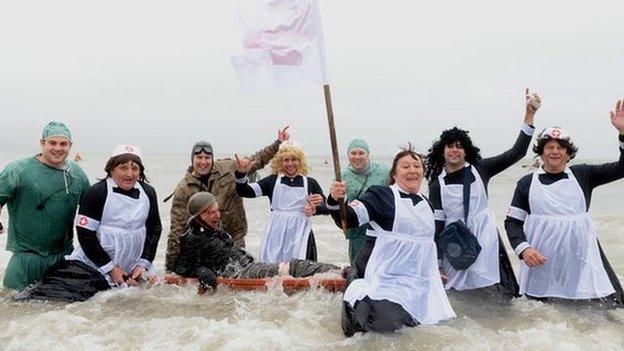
157 74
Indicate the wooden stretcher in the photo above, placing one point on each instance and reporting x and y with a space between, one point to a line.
288 285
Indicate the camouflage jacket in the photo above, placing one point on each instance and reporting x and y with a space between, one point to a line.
222 183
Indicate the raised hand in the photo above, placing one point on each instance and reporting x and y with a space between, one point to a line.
282 134
244 165
532 103
617 116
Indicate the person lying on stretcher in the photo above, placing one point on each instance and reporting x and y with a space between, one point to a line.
208 252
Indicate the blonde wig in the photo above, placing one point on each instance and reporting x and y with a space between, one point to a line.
289 149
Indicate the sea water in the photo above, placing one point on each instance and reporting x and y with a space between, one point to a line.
175 317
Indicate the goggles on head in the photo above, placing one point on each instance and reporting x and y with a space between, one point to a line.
207 148
554 133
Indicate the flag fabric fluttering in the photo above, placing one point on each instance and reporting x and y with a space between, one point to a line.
283 45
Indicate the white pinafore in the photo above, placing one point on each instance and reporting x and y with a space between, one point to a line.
560 228
482 222
122 229
288 228
402 267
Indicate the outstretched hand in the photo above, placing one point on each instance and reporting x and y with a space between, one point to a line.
617 116
282 134
532 103
244 165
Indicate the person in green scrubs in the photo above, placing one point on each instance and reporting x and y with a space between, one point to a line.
41 194
359 176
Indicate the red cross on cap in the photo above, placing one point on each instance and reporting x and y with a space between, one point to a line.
556 133
83 221
129 149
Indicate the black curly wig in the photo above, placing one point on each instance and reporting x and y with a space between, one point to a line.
435 159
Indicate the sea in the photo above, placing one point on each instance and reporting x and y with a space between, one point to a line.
166 317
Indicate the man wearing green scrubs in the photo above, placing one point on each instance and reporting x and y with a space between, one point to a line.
41 194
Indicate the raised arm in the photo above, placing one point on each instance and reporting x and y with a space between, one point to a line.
243 188
264 187
262 157
496 164
609 172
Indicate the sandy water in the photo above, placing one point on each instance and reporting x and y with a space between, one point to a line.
166 317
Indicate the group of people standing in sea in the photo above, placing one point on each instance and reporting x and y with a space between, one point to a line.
400 265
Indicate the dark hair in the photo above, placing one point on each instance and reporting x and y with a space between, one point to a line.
115 161
538 148
405 152
435 159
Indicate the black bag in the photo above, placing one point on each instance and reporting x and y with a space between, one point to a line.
460 247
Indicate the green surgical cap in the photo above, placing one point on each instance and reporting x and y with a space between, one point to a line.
358 144
56 129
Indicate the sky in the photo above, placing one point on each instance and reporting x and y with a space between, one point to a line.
157 74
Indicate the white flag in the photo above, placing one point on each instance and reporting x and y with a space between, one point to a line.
282 45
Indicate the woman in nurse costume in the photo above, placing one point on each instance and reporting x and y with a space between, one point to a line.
294 198
395 281
549 227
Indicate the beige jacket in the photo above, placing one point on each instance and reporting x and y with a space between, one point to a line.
222 183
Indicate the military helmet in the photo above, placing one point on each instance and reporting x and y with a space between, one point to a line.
199 202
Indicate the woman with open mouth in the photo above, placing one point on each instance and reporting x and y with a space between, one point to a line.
395 281
118 228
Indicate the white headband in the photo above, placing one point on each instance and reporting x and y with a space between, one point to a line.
555 133
126 149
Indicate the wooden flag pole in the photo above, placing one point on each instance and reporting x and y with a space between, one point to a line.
336 157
